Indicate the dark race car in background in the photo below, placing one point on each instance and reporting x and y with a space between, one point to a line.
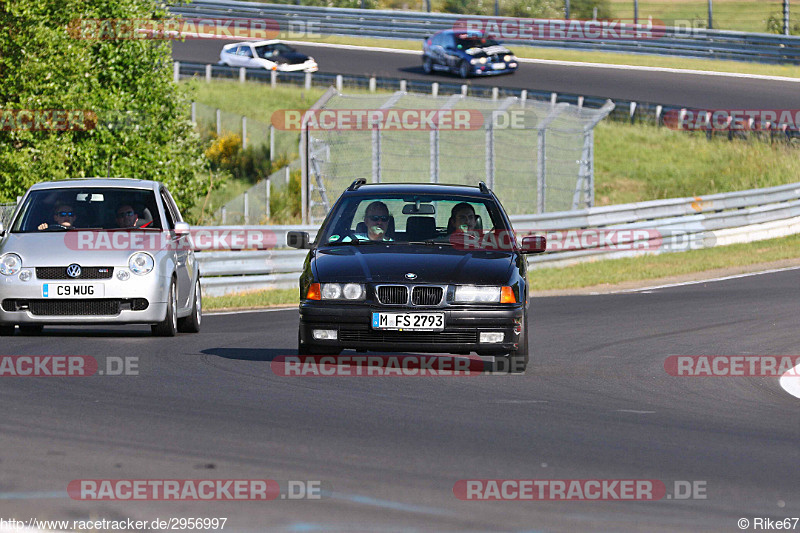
466 54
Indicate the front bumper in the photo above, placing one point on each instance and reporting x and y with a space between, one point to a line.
23 303
308 66
487 70
460 335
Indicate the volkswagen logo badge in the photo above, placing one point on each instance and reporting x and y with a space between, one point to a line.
74 270
411 275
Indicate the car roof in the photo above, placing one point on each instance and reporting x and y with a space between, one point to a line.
126 183
418 188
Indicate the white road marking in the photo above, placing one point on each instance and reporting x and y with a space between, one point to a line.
240 311
790 381
645 290
634 411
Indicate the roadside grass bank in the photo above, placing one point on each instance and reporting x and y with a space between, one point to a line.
600 275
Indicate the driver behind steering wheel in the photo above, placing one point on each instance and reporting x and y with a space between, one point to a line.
63 215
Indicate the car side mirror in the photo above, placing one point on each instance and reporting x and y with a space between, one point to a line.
298 239
534 244
181 229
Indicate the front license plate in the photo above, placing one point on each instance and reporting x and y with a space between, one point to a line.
408 321
499 66
73 290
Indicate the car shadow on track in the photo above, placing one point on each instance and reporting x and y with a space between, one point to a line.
86 331
249 354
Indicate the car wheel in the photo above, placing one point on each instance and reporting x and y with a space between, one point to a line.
31 330
191 324
427 65
518 359
6 330
169 326
463 70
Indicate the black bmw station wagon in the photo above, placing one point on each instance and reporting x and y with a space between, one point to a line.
416 267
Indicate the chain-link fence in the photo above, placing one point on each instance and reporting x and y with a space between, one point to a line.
536 156
6 210
253 132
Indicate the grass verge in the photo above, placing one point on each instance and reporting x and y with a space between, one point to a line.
251 299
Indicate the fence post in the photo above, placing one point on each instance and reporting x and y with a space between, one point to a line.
224 214
268 199
244 133
403 85
464 89
219 122
541 159
633 111
523 97
553 98
434 139
635 12
786 17
489 157
271 143
194 113
495 93
246 208
435 89
339 80
580 102
710 17
376 154
208 73
308 81
659 109
242 74
373 84
273 78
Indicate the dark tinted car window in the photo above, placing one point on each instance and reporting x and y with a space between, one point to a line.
465 42
349 216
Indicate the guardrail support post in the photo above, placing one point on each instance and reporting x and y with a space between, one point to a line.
490 153
244 133
659 110
632 111
176 71
339 80
403 85
208 73
495 93
271 143
269 190
580 102
434 89
308 81
434 137
219 123
523 97
242 74
224 215
373 84
464 90
553 98
273 78
246 209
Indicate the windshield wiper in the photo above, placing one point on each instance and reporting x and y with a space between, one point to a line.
430 242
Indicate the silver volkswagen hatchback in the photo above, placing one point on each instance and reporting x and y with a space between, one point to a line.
98 251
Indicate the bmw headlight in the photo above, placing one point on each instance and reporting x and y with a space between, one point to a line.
476 294
474 61
347 291
10 264
141 263
508 58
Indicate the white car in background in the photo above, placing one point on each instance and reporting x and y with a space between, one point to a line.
270 55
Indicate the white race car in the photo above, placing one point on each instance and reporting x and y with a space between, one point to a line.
270 55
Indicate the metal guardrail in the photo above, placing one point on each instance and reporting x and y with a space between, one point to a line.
680 42
677 224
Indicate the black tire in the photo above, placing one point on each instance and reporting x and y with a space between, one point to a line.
31 330
6 330
518 359
191 323
427 65
169 326
463 70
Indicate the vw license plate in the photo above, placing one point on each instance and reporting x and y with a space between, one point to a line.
73 290
408 321
499 66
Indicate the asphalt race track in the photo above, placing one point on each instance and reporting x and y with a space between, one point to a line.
596 404
667 88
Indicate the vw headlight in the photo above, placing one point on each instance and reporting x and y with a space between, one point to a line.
141 263
348 291
475 294
10 264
